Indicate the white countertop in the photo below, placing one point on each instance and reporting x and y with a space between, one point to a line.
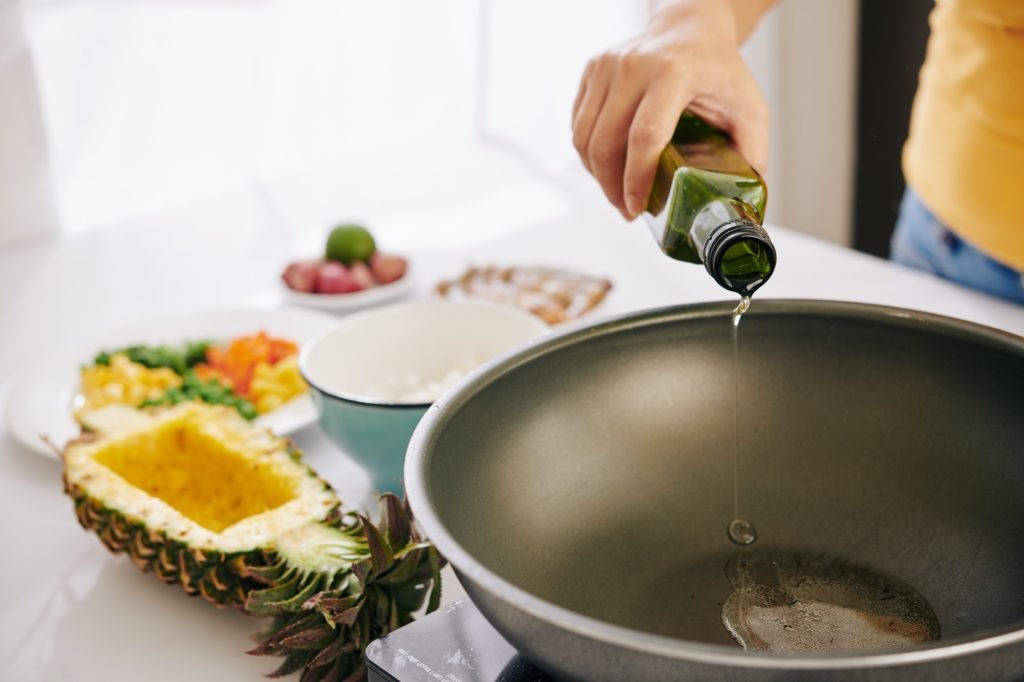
73 611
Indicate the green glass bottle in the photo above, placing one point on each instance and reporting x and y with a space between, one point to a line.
706 206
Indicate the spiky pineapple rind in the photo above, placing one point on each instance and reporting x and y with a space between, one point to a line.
211 575
158 538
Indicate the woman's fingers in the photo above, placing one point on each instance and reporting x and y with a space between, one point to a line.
580 93
650 130
590 99
606 150
740 110
749 131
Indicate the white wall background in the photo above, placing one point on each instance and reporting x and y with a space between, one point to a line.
148 104
804 55
27 207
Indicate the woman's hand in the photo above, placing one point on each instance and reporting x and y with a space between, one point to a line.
631 96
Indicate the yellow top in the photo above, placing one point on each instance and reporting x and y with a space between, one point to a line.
965 153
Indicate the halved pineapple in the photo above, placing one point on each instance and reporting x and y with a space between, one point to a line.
189 490
201 497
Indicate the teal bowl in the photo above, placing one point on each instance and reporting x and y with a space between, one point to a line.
375 374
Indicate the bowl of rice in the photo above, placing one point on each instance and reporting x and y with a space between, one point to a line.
374 374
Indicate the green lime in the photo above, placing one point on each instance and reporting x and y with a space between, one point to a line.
350 243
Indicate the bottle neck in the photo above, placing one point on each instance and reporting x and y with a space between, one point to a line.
736 250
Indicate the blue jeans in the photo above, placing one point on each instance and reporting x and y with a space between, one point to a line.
921 241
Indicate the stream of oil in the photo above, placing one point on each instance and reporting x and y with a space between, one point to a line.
740 531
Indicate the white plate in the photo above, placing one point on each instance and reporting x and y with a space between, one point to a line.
41 403
353 301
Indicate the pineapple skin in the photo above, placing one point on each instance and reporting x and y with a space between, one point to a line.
221 578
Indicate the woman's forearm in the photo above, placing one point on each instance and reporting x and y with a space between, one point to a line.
739 17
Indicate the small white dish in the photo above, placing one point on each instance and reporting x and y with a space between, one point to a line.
357 300
41 403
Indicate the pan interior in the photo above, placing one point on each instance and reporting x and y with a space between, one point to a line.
598 474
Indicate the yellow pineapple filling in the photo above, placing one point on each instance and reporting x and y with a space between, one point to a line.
200 476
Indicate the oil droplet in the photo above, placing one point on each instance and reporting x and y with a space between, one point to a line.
742 532
799 603
737 313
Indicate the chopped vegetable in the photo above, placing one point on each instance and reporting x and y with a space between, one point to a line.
274 385
176 359
254 374
208 391
121 381
237 361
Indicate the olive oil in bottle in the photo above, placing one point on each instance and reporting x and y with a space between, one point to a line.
706 206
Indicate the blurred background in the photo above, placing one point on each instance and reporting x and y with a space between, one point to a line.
112 110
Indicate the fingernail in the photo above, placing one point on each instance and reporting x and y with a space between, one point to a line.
634 204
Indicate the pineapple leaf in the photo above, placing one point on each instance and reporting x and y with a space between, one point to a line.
380 552
268 575
434 560
337 611
348 616
293 663
283 625
403 570
394 616
410 548
329 605
295 602
361 572
331 652
395 520
261 602
306 639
